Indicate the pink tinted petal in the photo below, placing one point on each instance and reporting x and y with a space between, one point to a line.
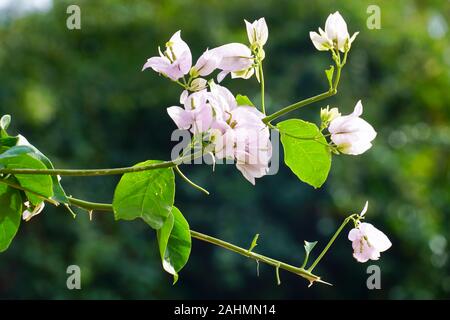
184 95
354 234
207 63
377 238
358 109
222 76
182 118
158 64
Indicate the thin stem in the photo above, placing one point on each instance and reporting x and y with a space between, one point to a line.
90 206
331 92
102 172
261 76
257 257
19 187
196 186
298 105
336 234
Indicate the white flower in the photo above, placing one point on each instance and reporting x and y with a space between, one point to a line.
31 212
335 35
352 134
368 242
175 62
234 58
257 32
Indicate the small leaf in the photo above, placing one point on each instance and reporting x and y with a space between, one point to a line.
5 121
329 73
147 194
244 101
254 242
306 151
308 248
174 240
10 215
40 184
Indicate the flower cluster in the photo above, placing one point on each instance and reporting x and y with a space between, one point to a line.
236 59
210 111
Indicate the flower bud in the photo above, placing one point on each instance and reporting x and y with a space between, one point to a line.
327 115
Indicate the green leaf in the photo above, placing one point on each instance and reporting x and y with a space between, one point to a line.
329 73
5 121
254 242
308 248
174 240
58 191
10 215
147 194
244 101
40 184
306 151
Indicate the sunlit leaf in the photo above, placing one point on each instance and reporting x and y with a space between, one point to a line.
174 240
10 214
147 194
306 151
37 184
244 101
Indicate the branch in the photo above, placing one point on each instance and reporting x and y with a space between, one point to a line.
101 172
90 206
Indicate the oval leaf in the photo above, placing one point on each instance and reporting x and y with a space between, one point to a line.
40 184
148 195
174 240
10 214
58 191
306 151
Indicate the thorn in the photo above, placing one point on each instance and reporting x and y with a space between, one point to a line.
277 270
311 282
91 212
257 268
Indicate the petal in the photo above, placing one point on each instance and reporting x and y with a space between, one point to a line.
377 238
182 118
158 64
250 32
354 234
262 31
364 210
222 75
319 42
353 37
184 96
358 109
180 48
207 63
233 57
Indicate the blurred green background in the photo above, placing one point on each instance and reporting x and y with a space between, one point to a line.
80 97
